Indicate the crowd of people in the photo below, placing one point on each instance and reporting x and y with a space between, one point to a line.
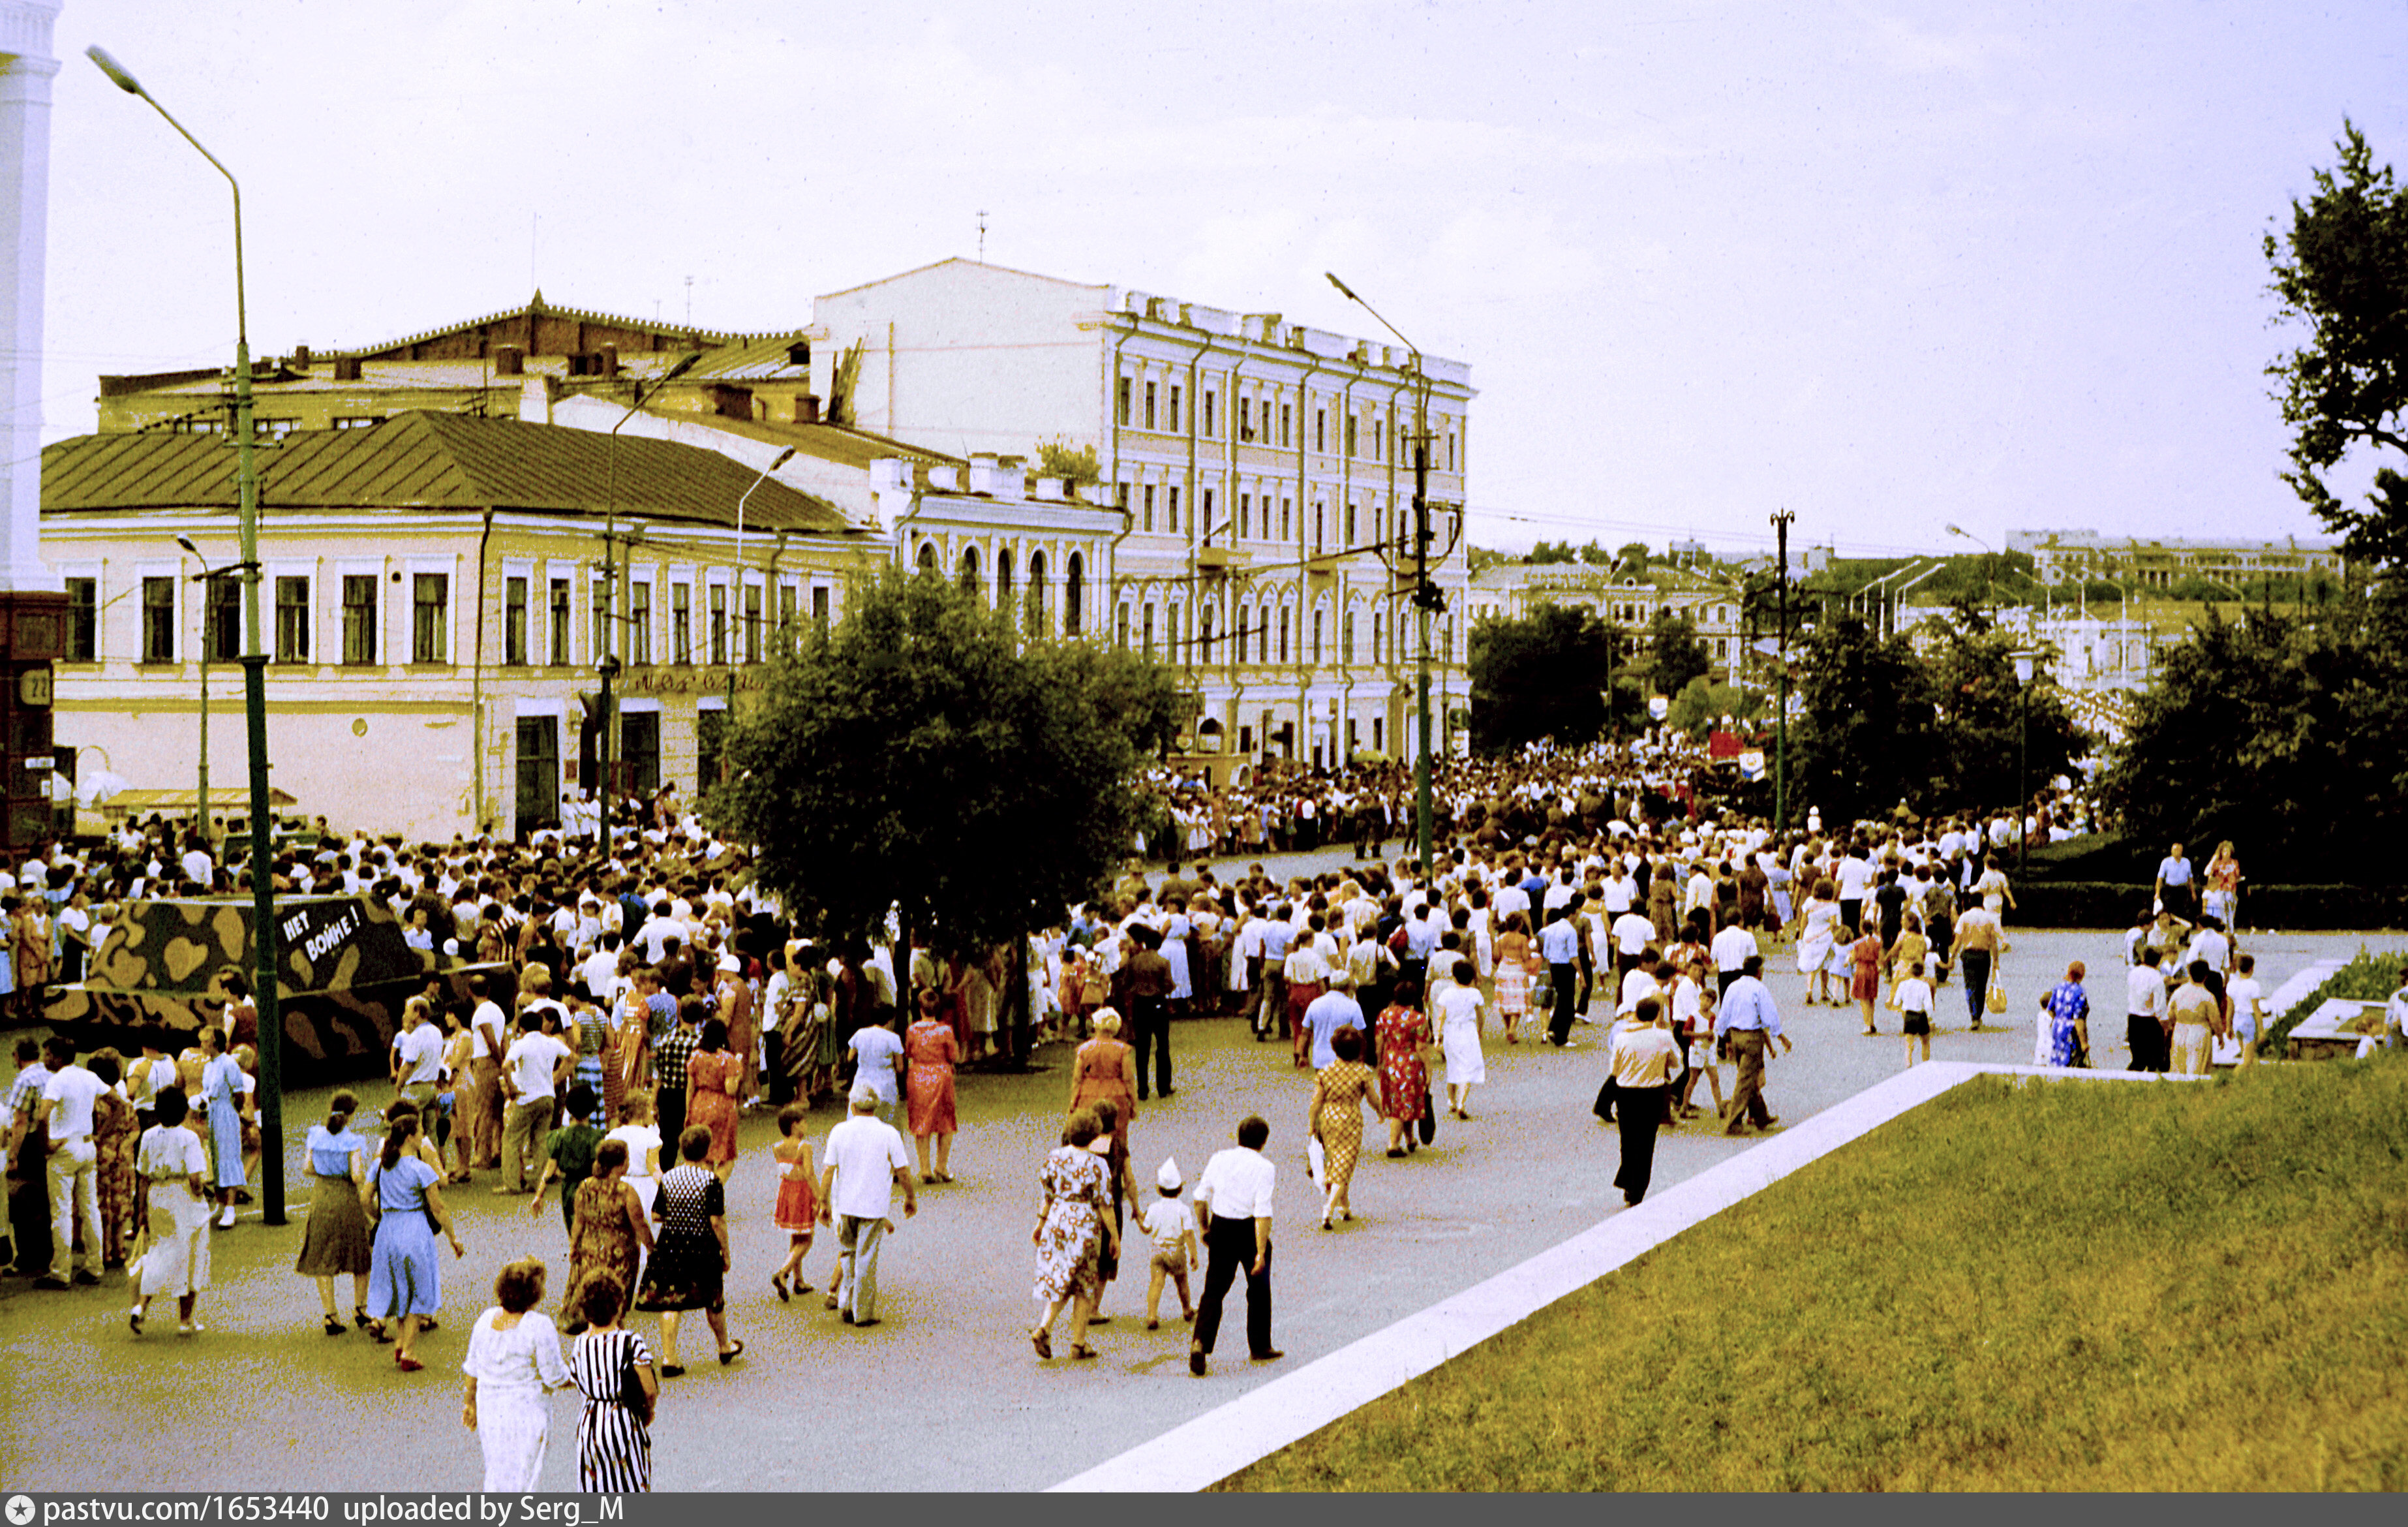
660 997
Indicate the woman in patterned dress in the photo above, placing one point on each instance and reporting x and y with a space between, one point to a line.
712 1079
689 1266
1335 1118
114 1135
614 1439
1514 973
610 1235
928 1087
1404 1037
1102 1068
1074 1230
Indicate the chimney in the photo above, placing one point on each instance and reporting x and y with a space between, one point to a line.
346 369
609 360
300 357
1050 489
944 479
807 408
509 361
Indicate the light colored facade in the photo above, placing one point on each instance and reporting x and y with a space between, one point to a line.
2063 555
1626 599
1264 470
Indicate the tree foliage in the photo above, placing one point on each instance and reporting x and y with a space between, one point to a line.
1075 464
1700 705
1675 655
1995 739
2343 270
1543 676
919 755
2283 733
1865 741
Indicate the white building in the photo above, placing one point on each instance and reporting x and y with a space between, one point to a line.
2063 555
1628 599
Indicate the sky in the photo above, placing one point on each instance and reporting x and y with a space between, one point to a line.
1888 267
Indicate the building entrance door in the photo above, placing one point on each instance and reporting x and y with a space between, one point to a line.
538 773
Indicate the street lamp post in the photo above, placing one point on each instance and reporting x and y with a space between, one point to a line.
1989 564
206 577
1425 595
2023 755
784 456
254 693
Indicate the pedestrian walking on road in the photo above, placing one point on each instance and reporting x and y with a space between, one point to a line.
689 1262
798 1209
405 1280
864 1164
714 1081
1171 1229
1233 1208
222 1092
1643 1053
615 1430
1102 1070
1459 1038
1403 1035
1074 1233
334 1238
1749 1022
929 1054
1335 1118
513 1362
171 1173
610 1235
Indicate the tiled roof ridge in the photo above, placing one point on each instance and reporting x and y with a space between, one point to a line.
538 307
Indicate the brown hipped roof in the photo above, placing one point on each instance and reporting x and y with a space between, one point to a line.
430 461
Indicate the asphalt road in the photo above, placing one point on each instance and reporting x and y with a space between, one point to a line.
945 1392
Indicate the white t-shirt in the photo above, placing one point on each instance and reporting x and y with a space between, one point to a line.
1460 1004
2247 995
1166 1222
1854 875
875 1049
866 1152
530 1063
486 1025
1915 996
1633 932
69 1092
2146 992
1636 985
421 1053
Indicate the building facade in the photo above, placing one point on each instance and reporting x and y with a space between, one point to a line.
1628 598
2061 556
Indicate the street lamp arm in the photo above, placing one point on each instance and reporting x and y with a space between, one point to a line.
127 82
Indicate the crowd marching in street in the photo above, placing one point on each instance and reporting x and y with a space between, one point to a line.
660 997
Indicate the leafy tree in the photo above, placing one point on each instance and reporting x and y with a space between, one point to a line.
1545 552
2343 270
1075 464
1984 724
1701 704
1596 555
1633 555
919 756
1542 676
1675 655
1865 742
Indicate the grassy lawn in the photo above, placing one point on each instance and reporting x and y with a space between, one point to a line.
2066 1286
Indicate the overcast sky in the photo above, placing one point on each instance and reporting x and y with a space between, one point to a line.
1890 266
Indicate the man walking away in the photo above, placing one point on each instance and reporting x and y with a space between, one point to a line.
866 1163
1149 996
1644 1054
2145 1010
1233 1209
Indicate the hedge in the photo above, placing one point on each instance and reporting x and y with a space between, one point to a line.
2091 903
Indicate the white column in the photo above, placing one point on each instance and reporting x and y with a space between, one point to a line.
26 65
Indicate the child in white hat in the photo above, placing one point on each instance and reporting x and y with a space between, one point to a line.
1172 1229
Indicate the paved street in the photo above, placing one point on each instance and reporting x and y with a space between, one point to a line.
946 1386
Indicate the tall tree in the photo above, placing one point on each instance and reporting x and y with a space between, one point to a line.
1544 676
1865 744
1995 739
919 756
2343 270
1674 653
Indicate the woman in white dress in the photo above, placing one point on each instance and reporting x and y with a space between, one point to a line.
1458 1010
170 1176
1175 932
1816 940
513 1362
642 1137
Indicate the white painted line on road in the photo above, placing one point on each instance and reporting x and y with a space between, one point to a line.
1219 1443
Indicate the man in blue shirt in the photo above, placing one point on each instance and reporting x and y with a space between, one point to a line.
1560 942
1278 933
1750 1021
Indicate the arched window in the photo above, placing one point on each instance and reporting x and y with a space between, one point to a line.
1074 597
1378 634
927 556
1003 579
1038 623
1283 642
970 568
1148 646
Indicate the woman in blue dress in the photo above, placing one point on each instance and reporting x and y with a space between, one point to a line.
221 1092
405 1280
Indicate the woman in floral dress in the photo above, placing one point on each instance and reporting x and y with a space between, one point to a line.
1404 1038
610 1235
1335 1118
930 1054
1074 1231
114 1136
712 1079
1513 974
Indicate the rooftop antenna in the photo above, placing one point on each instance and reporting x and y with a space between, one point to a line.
981 236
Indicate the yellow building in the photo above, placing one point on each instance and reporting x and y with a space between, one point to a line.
432 587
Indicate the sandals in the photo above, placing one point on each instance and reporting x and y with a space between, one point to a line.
778 1281
407 1365
335 1326
378 1333
134 1321
1082 1351
674 1370
731 1354
360 1317
1043 1342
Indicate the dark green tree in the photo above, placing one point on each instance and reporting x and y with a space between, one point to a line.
919 756
1984 723
1675 656
2343 270
1865 742
1633 555
1545 552
1544 675
1596 555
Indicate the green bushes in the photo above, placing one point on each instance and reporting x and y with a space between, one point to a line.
2373 976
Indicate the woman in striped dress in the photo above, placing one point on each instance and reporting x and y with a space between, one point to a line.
614 1439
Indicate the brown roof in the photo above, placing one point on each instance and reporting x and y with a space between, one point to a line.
438 461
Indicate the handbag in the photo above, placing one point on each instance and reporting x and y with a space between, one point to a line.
1429 1126
1316 1162
631 1384
1997 1002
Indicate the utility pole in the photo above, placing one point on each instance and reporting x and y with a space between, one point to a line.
1781 713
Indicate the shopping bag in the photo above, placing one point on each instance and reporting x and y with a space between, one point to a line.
1316 1162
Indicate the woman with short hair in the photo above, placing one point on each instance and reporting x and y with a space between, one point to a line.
170 1173
1335 1118
513 1362
690 1260
614 1435
1074 1232
1104 1068
714 1076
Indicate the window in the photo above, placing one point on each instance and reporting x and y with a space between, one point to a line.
1074 597
1149 506
1122 402
1208 512
1245 419
639 749
1173 420
1349 435
1246 739
1286 507
1350 522
717 624
1147 647
788 599
1209 400
83 620
639 622
514 622
1284 422
1121 627
1174 632
1379 647
1320 429
1319 524
1316 639
1121 499
710 740
1174 505
221 620
1282 640
751 623
1003 579
1449 451
1346 640
1038 625
293 619
1245 516
1204 619
971 583
356 422
820 608
1149 405
430 599
1379 439
1379 744
359 617
159 620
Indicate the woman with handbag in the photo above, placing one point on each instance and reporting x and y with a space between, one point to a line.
613 1369
1404 1035
405 1280
1334 1118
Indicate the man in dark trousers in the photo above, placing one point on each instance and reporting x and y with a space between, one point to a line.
1148 998
1233 1209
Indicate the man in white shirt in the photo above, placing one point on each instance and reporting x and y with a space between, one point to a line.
1233 1209
1632 933
1731 949
65 1112
2145 1010
864 1162
489 1037
417 1056
535 1063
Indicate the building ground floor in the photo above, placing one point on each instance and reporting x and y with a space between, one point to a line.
1325 723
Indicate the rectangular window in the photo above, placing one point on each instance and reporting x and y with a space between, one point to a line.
1147 647
1174 511
1379 439
359 619
159 620
820 608
1346 641
751 623
1149 405
1122 402
1123 625
718 623
1245 516
293 619
1379 638
1287 507
1379 743
221 620
640 745
1349 435
83 620
1173 420
1449 451
639 622
1320 429
1149 506
430 599
788 600
1119 498
680 623
1208 512
562 651
514 622
1284 424
1209 400
1283 642
1316 639
1245 418
1350 522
